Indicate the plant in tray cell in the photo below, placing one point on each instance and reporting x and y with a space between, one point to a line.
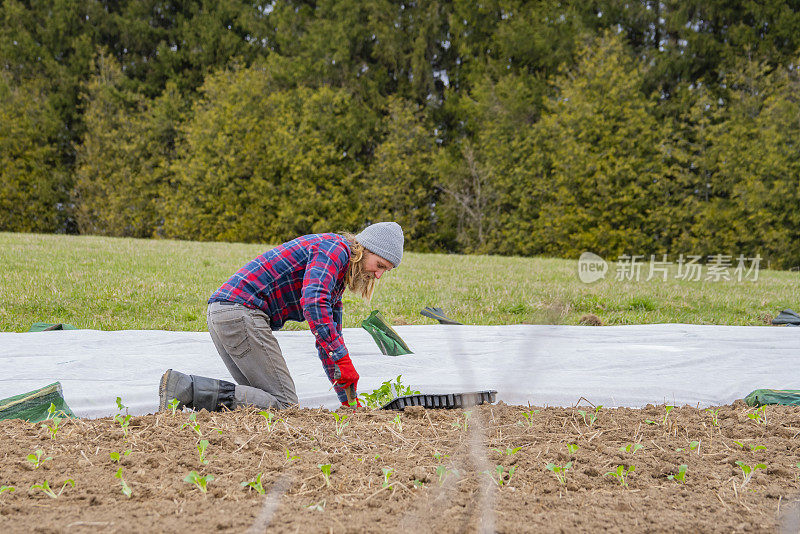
341 422
255 485
44 487
36 458
387 392
200 481
681 476
326 473
748 471
560 471
631 447
126 490
621 473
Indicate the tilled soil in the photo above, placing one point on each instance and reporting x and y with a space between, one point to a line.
442 467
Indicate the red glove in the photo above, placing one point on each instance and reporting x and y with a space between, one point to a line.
344 373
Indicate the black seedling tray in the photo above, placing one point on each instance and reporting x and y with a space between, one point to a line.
446 401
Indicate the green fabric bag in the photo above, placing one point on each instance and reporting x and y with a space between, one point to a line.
34 406
760 397
384 335
44 327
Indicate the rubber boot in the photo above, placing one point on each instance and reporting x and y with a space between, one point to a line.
174 385
212 394
192 391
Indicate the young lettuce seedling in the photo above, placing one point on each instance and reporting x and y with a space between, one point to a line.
528 415
341 422
748 471
631 447
173 405
681 476
459 425
668 409
500 477
560 471
592 416
326 473
268 417
760 415
116 457
442 472
45 488
398 422
572 448
621 473
289 457
193 424
37 460
201 482
10 489
509 451
255 484
126 489
201 448
55 421
714 416
387 472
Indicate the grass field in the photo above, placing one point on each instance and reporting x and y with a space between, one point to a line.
113 284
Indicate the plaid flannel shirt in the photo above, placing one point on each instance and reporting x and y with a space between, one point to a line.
302 279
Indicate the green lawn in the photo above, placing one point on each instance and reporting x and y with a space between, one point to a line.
112 284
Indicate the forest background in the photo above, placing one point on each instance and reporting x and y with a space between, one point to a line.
500 127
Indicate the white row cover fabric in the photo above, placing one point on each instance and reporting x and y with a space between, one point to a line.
542 365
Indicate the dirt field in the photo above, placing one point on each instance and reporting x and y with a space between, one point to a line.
444 477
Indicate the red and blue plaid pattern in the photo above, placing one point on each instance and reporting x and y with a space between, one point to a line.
302 279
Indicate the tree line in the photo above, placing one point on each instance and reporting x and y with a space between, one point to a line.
500 126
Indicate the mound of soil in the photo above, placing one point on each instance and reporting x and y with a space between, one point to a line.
484 469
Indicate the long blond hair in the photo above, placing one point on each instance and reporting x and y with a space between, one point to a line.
356 279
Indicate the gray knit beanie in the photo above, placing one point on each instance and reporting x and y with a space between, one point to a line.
384 239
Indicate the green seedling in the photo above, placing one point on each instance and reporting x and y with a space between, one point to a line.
255 485
126 490
528 415
572 448
621 473
668 409
501 476
694 445
201 448
438 455
387 472
753 448
55 421
418 484
650 422
442 472
462 425
45 488
326 473
509 451
341 422
289 457
116 457
760 415
631 447
387 392
10 489
173 405
748 471
123 422
714 416
201 482
592 416
681 476
317 506
193 424
37 460
268 417
398 422
560 471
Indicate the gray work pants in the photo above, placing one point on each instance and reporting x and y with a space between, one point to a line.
251 353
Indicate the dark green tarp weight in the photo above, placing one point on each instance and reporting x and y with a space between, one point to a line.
760 397
46 327
34 406
384 335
